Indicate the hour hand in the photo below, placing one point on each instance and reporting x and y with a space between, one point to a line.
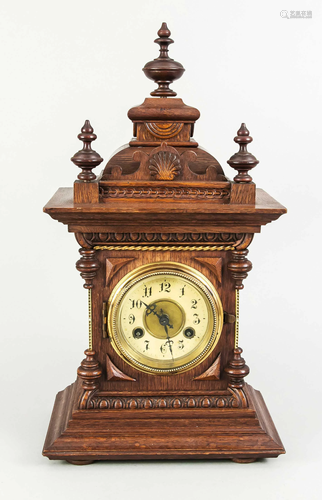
163 318
151 309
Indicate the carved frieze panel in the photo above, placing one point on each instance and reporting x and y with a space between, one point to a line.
93 239
170 402
165 167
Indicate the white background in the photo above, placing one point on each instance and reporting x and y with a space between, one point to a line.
66 61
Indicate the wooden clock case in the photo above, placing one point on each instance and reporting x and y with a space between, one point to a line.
162 198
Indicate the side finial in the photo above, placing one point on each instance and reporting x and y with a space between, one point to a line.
86 158
163 70
243 161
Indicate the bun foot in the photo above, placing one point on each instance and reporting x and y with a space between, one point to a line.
243 460
80 462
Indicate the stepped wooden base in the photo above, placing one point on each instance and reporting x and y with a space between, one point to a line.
82 436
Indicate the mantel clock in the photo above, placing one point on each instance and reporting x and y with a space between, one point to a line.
164 238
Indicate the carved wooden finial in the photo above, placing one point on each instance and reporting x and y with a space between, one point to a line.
163 70
243 161
236 370
86 158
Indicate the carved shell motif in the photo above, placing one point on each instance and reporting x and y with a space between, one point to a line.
165 165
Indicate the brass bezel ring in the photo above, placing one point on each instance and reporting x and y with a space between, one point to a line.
161 268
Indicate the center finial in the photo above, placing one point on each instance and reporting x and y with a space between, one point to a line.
163 70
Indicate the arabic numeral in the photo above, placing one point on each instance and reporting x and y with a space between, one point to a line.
196 319
193 304
147 291
165 287
146 345
131 319
135 303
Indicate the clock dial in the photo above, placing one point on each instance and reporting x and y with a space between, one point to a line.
164 318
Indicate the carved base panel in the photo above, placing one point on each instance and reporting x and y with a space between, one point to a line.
150 402
81 436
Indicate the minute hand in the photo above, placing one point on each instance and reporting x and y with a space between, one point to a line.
169 341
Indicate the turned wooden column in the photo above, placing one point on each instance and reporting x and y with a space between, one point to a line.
239 267
90 372
88 265
236 370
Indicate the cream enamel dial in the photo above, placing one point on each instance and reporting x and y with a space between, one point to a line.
164 318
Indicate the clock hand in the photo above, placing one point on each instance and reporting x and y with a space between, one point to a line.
163 318
169 341
151 309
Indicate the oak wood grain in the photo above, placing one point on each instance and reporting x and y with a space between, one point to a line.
239 434
162 198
